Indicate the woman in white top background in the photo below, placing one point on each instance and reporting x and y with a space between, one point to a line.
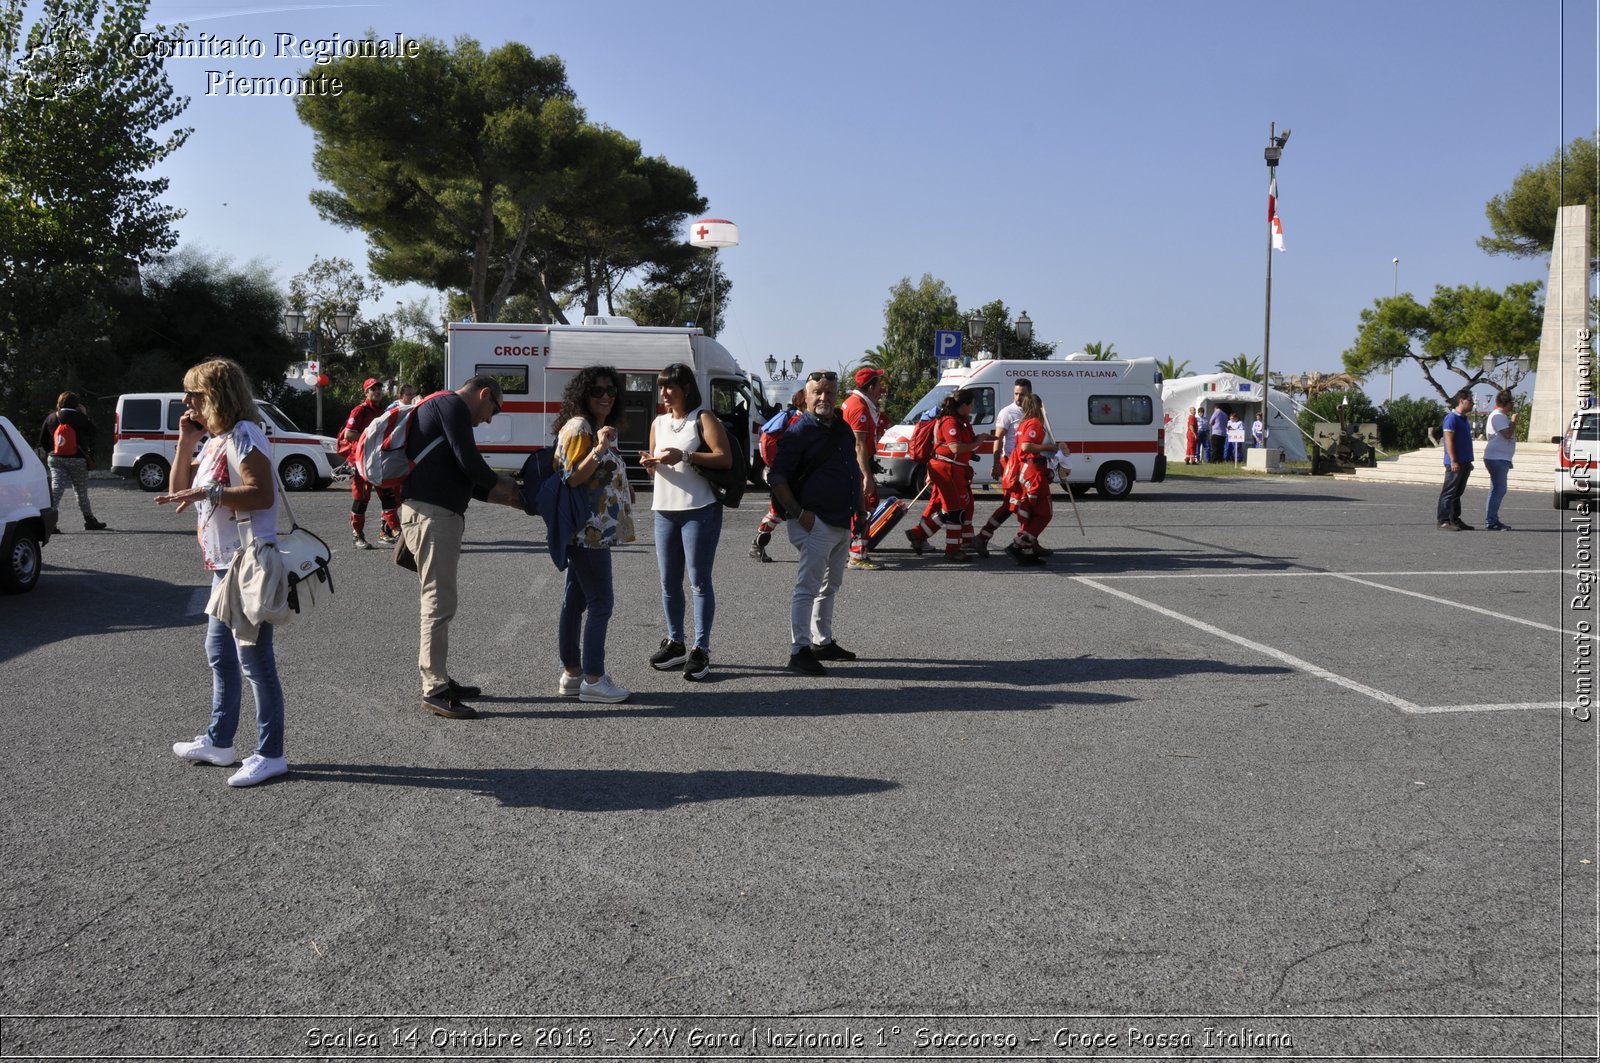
688 517
1499 445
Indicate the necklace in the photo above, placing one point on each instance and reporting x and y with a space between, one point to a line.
675 423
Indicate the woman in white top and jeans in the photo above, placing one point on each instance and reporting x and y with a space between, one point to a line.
224 487
688 516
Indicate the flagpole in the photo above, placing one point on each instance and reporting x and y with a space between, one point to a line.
1274 152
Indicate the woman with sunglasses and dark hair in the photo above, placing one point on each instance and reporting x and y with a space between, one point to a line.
586 458
688 517
950 478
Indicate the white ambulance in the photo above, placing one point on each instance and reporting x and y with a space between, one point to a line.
1108 413
534 363
146 437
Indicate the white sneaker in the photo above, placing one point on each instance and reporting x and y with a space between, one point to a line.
203 749
567 686
257 768
602 689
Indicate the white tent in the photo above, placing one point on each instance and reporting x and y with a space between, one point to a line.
1238 394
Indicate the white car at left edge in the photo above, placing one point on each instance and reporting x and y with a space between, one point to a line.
28 516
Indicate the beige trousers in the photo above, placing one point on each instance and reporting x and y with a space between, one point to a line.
433 534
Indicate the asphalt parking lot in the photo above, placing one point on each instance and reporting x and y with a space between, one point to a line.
1253 768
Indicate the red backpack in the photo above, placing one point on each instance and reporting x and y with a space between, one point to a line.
64 442
779 423
924 438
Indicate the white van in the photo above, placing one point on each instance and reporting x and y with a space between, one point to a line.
146 435
27 516
533 364
1108 413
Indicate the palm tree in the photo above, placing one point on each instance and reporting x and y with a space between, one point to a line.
908 378
1171 368
1100 352
1241 365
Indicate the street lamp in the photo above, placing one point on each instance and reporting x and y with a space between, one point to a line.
777 371
296 323
1023 327
1396 295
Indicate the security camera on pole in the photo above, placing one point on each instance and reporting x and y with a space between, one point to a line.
713 233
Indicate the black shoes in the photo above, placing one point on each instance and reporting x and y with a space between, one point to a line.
918 542
832 651
90 524
448 706
805 662
458 691
671 655
1462 525
697 666
980 547
758 547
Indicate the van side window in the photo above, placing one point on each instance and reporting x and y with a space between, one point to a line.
10 459
1121 409
983 406
729 399
174 414
513 379
142 415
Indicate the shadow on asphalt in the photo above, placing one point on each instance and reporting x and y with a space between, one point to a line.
936 686
595 790
74 603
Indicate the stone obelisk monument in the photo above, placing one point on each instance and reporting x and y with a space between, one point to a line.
1565 344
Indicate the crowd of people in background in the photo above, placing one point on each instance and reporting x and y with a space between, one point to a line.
821 473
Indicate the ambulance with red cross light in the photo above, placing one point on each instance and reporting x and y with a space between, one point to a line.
1107 412
534 363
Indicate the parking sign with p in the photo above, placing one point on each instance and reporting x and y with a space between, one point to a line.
947 345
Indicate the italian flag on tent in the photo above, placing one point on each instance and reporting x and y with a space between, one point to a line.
1272 212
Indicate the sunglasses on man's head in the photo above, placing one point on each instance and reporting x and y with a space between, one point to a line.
600 391
823 376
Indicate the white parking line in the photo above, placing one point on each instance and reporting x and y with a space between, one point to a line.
1306 666
1460 605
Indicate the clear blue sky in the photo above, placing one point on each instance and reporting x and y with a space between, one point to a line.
1096 164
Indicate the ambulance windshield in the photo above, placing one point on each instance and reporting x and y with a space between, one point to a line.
930 401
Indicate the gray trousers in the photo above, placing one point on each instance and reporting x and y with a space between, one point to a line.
74 471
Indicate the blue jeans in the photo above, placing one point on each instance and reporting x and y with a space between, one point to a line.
586 610
1498 469
257 664
688 537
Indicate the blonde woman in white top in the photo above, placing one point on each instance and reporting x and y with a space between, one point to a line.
683 440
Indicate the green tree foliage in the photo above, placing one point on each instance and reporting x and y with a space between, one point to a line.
1172 369
1522 221
82 117
478 172
911 315
909 378
331 286
1243 365
1407 420
1100 352
678 294
1463 331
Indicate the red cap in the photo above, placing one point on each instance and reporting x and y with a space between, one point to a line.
370 383
865 377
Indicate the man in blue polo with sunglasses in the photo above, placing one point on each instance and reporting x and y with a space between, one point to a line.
816 479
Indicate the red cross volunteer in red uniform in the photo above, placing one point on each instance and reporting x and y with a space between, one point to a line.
861 413
361 490
950 479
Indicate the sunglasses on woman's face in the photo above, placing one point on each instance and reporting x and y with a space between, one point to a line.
823 376
601 391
